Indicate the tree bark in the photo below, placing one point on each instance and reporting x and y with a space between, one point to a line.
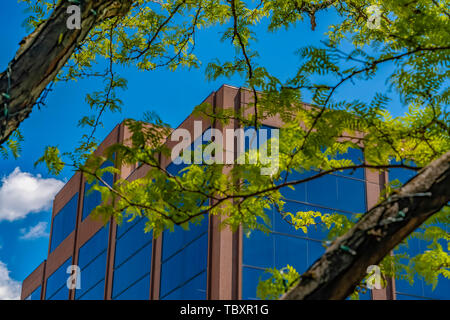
343 265
42 54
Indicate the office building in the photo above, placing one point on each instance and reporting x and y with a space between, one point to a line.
123 262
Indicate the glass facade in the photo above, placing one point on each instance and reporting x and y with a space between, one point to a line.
419 290
56 288
93 199
184 263
184 256
343 193
92 262
64 222
185 252
132 262
35 295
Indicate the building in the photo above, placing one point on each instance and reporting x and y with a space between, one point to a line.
205 262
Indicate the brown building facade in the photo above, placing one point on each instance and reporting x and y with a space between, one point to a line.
204 263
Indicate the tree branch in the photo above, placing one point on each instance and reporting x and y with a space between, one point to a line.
41 56
336 274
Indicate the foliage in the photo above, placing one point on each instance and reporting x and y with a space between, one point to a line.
279 282
12 145
412 40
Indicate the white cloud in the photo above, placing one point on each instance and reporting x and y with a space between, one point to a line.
22 193
9 288
38 231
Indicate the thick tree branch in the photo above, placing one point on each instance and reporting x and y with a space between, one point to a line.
343 266
41 56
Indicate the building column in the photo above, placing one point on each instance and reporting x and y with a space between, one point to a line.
375 183
224 252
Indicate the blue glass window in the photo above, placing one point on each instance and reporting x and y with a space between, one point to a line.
94 293
277 250
357 157
259 250
93 199
194 289
337 192
419 290
56 288
185 253
404 296
250 279
184 263
299 192
35 295
342 193
351 195
184 259
92 262
442 290
402 175
138 291
132 262
64 222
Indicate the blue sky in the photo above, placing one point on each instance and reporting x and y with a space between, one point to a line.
172 95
